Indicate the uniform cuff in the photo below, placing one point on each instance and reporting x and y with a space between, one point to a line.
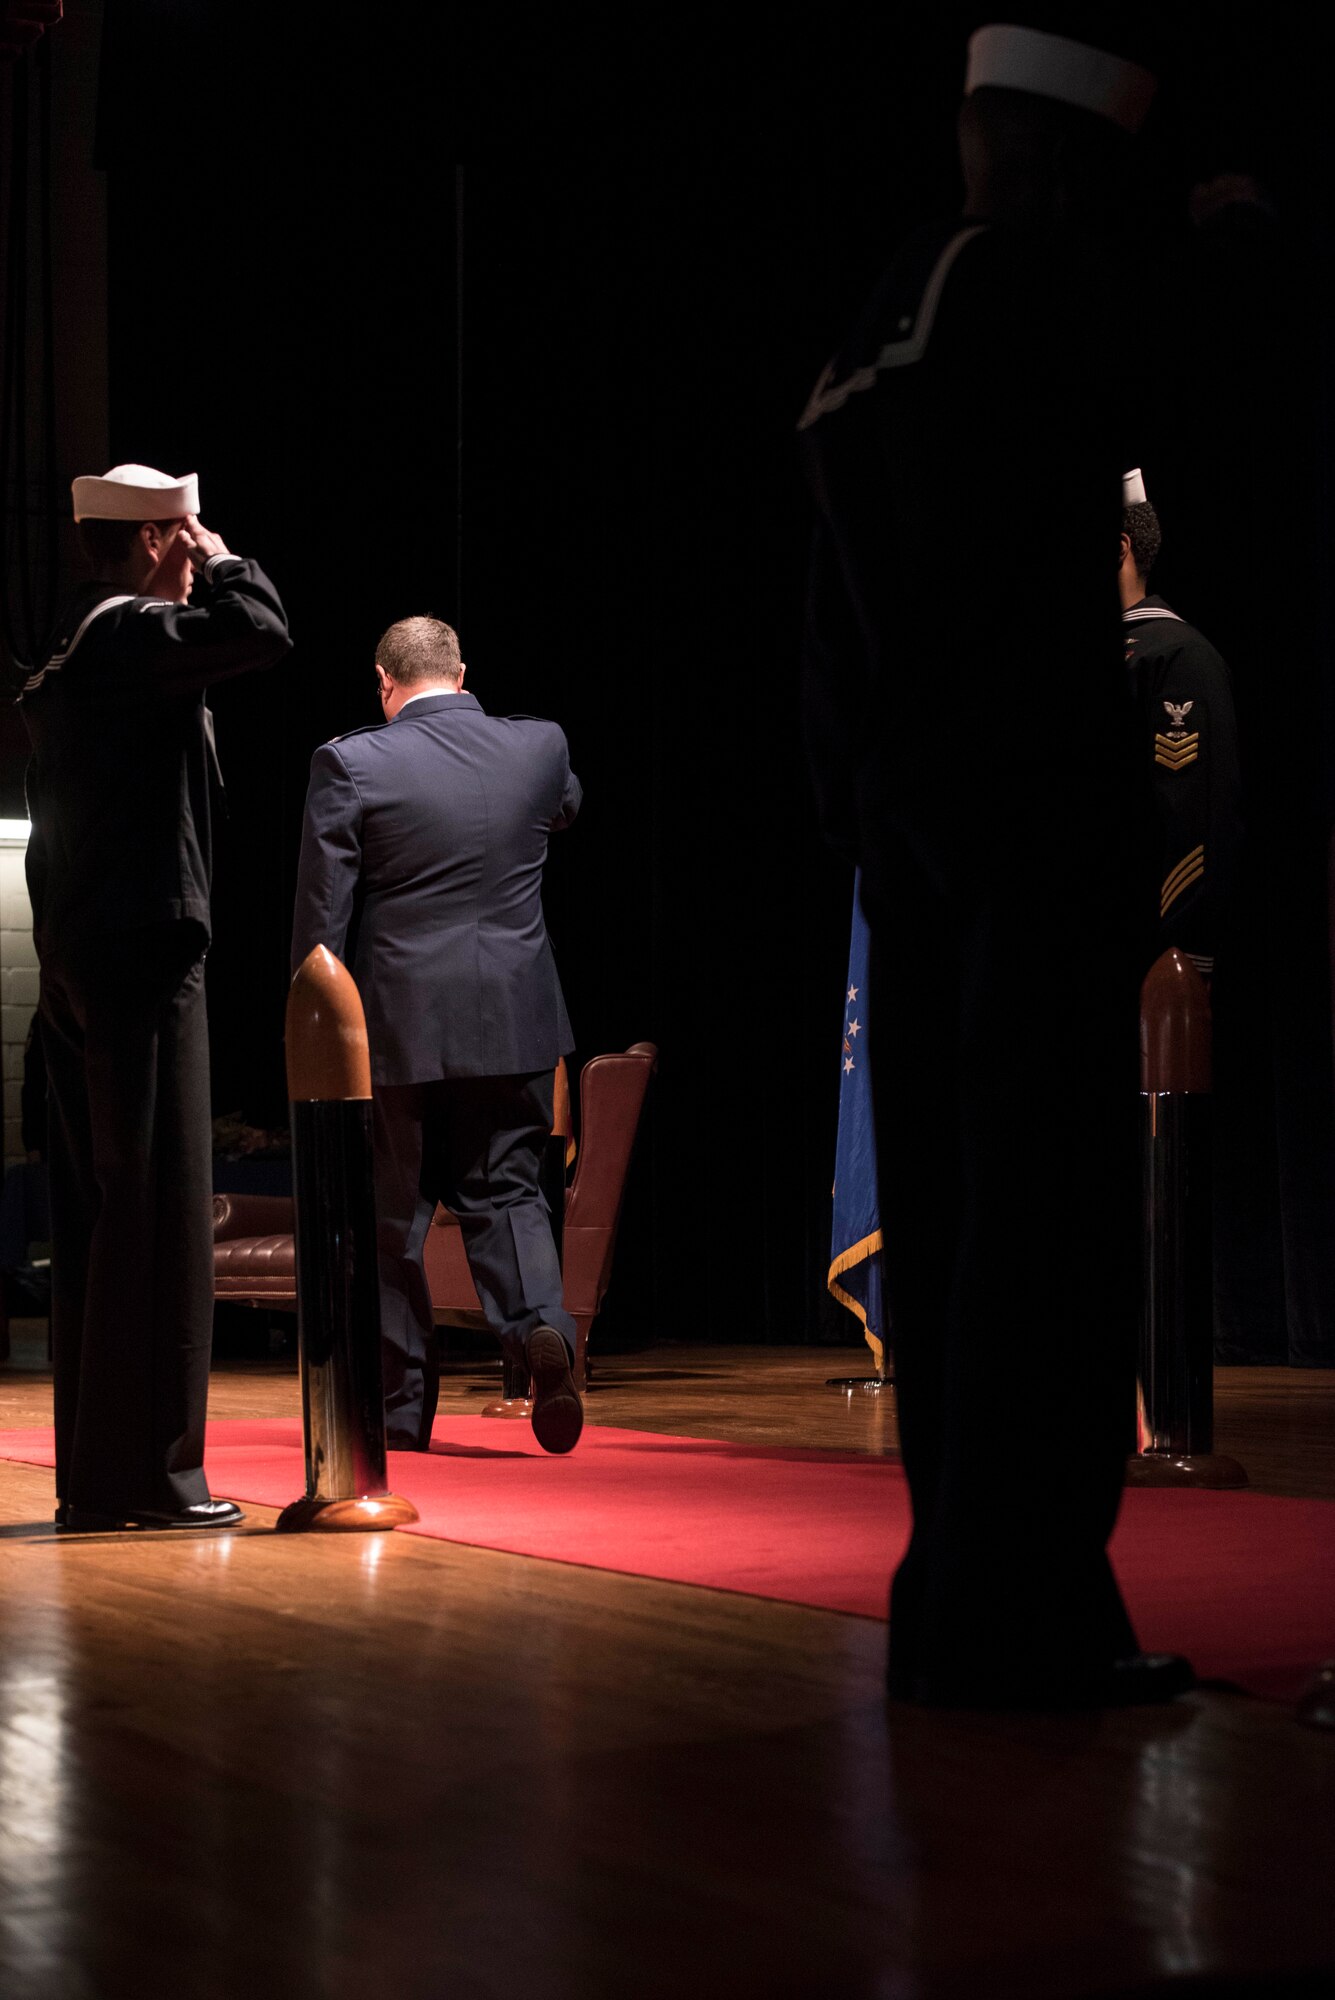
213 562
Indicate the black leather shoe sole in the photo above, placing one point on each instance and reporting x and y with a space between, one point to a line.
1146 1677
558 1413
1139 1679
206 1514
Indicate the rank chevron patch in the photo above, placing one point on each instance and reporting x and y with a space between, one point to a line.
1176 752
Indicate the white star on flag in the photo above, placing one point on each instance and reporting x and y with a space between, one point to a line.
848 1065
855 1027
852 994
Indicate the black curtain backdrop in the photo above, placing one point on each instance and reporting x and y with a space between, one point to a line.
663 234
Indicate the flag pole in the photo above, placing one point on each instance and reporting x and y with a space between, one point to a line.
856 1244
867 1385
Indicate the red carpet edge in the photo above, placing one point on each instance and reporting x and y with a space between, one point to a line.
1244 1583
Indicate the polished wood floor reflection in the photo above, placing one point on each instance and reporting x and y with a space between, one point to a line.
382 1766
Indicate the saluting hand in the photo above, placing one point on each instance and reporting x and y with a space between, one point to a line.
200 542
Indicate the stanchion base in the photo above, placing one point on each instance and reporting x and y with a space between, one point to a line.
346 1517
867 1385
509 1406
1211 1469
1316 1704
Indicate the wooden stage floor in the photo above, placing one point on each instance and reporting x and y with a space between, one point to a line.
385 1766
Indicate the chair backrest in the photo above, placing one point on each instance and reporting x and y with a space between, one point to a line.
611 1097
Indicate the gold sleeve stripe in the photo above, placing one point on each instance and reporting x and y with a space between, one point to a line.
1176 742
1196 855
1187 861
1167 901
1176 763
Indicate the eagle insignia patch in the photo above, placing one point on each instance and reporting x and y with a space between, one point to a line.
1175 748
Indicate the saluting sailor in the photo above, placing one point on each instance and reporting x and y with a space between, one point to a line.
119 868
1186 698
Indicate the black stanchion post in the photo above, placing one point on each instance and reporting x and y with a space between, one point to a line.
1177 1310
338 1298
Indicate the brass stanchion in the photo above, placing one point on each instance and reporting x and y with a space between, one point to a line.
1177 1313
338 1296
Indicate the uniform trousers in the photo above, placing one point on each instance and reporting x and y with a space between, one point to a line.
125 1033
1003 985
475 1144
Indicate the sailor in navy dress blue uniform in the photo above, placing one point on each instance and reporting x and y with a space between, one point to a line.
980 762
121 791
1185 695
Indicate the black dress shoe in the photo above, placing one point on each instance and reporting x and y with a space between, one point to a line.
204 1514
1137 1679
1145 1677
558 1413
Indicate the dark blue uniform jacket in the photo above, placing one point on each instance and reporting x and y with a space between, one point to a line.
421 866
124 773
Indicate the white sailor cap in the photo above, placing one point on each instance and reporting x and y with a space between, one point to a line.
135 493
1013 58
1133 488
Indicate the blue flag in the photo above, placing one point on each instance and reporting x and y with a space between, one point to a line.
855 1244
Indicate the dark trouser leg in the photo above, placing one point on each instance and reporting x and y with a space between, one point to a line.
1003 1057
552 1180
25 1215
183 1315
487 1140
913 1003
75 1201
404 1208
131 1222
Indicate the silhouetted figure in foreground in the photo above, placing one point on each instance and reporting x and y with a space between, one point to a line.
975 747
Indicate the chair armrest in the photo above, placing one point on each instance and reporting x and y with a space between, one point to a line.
251 1215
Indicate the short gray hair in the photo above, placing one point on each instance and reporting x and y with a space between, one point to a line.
420 649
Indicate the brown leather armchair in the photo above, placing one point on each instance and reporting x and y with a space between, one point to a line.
254 1258
254 1255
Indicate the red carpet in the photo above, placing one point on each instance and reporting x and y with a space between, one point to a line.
1243 1583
